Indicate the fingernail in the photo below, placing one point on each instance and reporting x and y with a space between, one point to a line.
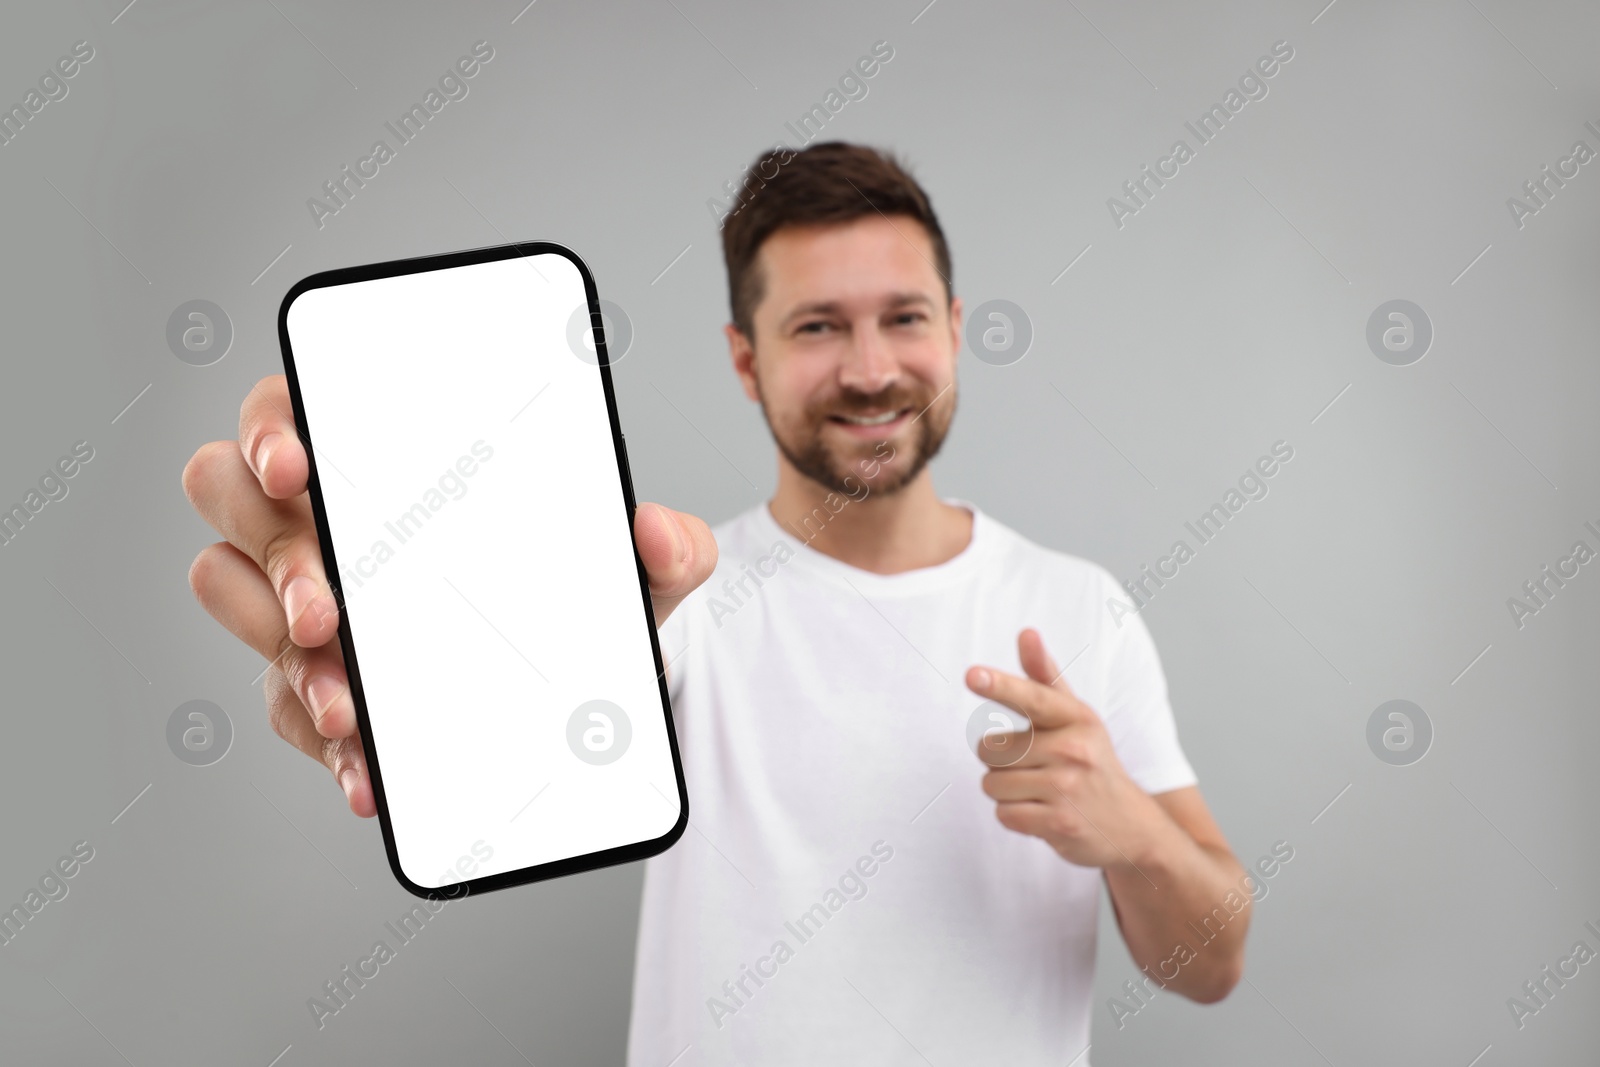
264 452
347 781
981 679
323 690
298 595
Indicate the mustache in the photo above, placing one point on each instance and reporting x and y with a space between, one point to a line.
855 402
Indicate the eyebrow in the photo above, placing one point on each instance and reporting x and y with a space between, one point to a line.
830 307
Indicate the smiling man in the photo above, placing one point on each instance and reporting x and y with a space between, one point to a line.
862 888
862 883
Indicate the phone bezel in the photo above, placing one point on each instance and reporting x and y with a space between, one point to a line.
418 265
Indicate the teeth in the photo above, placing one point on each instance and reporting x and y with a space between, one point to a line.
876 420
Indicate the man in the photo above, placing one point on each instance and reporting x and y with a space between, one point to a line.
859 886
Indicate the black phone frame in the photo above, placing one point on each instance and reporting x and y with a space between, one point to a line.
417 265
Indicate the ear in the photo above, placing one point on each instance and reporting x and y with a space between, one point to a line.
743 355
955 326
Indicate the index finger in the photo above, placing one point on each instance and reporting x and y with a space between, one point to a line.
1048 707
269 441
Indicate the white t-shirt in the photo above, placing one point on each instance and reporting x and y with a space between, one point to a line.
843 893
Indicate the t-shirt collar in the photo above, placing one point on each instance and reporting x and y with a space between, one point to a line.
922 579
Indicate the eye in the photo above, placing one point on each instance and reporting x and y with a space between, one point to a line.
908 317
814 327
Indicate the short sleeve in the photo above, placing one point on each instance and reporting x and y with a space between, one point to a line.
1137 713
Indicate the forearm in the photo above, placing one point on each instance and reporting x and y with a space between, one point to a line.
1182 912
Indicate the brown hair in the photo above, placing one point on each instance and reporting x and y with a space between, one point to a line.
830 182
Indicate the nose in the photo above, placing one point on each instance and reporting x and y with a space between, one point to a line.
869 364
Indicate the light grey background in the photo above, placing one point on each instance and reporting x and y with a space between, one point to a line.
1225 316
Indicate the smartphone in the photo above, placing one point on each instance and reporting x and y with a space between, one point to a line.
470 484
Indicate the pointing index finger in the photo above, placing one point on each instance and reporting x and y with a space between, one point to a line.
1046 707
1043 696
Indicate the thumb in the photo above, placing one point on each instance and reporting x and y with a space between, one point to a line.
678 553
1037 663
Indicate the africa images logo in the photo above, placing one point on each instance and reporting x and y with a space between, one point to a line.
1252 85
452 86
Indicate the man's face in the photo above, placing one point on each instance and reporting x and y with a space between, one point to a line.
853 359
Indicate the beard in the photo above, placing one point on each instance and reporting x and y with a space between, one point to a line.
841 468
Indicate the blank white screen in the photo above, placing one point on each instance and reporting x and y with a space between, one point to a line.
487 564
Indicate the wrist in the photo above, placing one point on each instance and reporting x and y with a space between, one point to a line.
1154 838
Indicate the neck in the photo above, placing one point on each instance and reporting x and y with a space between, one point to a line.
883 534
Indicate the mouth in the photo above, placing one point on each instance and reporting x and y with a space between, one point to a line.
872 424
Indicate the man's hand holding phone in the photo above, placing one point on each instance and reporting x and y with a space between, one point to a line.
266 583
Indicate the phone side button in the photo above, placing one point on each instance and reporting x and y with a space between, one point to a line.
627 476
